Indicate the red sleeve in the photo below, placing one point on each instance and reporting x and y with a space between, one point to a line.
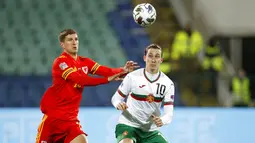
68 72
95 68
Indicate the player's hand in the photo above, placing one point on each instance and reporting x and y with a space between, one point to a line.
130 66
116 77
122 106
157 120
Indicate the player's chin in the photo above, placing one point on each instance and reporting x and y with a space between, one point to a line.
74 51
153 66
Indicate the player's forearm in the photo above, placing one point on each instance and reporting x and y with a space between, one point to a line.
86 80
106 71
117 99
168 114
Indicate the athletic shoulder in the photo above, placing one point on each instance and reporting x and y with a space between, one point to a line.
137 72
82 58
90 63
166 78
62 59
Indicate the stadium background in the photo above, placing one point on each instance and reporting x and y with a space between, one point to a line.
108 34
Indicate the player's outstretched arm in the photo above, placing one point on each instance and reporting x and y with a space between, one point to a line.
61 67
91 81
102 70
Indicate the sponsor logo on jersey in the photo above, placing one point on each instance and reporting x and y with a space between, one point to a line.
141 86
43 141
63 66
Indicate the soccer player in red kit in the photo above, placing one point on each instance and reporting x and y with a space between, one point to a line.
60 103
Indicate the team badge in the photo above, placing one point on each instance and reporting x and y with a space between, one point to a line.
63 66
85 69
172 97
150 98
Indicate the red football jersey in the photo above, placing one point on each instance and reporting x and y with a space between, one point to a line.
62 99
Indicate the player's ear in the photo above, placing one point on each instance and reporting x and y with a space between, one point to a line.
61 45
144 58
161 60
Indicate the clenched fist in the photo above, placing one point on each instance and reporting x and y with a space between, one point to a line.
157 120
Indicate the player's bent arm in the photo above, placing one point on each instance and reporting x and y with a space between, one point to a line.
168 105
72 75
168 114
122 92
117 98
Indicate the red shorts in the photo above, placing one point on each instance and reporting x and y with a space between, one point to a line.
52 130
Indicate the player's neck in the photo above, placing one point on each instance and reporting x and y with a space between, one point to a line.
72 55
152 71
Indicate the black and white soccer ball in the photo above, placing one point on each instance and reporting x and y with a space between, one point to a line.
144 14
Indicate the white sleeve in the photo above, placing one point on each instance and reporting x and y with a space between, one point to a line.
168 105
122 92
169 95
168 114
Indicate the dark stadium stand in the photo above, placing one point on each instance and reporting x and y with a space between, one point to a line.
29 42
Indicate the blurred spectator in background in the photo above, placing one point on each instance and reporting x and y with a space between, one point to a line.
212 63
240 88
213 60
186 45
165 66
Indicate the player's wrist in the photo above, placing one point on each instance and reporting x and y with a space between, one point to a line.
163 120
116 104
122 69
126 70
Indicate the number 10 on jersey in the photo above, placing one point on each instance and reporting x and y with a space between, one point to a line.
161 88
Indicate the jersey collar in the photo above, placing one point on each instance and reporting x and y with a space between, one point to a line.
65 54
70 57
151 81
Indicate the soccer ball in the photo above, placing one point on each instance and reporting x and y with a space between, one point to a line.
144 14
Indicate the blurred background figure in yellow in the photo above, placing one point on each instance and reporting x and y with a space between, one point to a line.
212 56
212 63
186 45
240 89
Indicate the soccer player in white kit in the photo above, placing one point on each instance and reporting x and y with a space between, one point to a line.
146 89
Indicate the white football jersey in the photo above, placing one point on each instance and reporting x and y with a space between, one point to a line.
145 94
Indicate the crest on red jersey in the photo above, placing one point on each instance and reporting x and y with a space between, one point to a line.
85 69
